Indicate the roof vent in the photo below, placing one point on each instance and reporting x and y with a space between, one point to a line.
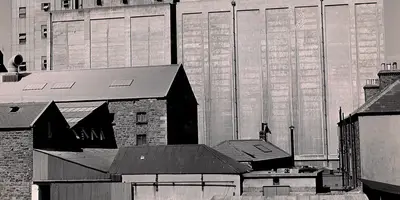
14 109
121 83
9 78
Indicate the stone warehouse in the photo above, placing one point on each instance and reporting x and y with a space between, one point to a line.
147 105
294 65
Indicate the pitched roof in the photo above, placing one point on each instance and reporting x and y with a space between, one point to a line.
174 159
250 150
91 84
74 112
99 159
24 116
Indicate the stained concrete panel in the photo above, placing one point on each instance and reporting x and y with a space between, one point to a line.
249 73
338 65
220 53
279 75
193 56
309 83
98 50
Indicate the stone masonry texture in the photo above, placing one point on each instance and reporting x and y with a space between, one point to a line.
16 165
126 128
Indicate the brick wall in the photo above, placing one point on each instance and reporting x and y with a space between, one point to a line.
126 129
387 77
370 91
16 165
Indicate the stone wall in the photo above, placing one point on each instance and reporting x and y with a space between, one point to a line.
126 128
16 163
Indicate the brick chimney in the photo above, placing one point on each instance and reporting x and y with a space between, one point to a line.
371 88
388 75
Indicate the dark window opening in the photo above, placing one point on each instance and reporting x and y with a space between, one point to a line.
99 2
141 140
22 66
141 118
44 192
125 1
14 109
65 3
22 38
44 31
46 6
77 4
275 181
44 63
22 12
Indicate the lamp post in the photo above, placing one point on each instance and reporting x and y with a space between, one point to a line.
292 143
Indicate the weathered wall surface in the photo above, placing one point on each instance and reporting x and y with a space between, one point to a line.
91 191
6 28
16 162
255 186
111 37
187 186
379 144
280 69
126 128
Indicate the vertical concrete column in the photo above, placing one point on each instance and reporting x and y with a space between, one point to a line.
87 39
128 56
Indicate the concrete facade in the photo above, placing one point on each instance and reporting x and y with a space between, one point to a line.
126 129
5 30
16 164
183 186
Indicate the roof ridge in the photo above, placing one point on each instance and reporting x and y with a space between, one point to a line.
222 160
377 97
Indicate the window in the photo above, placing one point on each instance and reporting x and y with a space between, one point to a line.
66 4
99 2
275 181
44 63
141 140
22 38
14 109
125 1
141 118
46 6
22 12
44 31
22 66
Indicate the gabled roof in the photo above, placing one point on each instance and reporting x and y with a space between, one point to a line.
250 150
99 159
91 84
74 112
174 159
24 116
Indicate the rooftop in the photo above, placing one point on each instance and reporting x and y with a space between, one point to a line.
250 150
91 84
174 159
74 112
20 115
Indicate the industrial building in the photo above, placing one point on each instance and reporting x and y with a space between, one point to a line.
369 139
295 65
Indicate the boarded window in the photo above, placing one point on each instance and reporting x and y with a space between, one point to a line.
141 118
22 12
141 140
44 31
44 63
22 38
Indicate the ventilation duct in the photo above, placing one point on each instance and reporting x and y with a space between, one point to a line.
14 63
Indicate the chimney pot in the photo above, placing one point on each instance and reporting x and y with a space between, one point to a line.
383 66
394 66
389 66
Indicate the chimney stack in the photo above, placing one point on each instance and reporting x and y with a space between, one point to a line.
388 75
2 67
371 88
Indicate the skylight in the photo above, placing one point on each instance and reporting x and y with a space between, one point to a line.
74 120
121 83
64 85
37 86
80 109
14 109
262 148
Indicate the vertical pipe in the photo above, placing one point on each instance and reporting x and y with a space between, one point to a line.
292 144
348 142
236 113
341 122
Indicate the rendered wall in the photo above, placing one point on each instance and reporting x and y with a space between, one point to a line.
279 65
379 145
6 28
187 186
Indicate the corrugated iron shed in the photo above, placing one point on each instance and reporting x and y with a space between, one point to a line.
20 115
251 150
91 84
174 159
100 159
74 112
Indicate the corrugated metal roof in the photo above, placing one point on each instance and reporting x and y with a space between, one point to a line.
74 112
174 159
100 159
296 197
25 115
92 84
250 150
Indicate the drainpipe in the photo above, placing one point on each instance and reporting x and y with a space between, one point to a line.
292 144
235 80
324 83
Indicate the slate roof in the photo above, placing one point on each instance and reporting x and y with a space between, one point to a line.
99 159
174 159
74 112
24 117
250 150
91 84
